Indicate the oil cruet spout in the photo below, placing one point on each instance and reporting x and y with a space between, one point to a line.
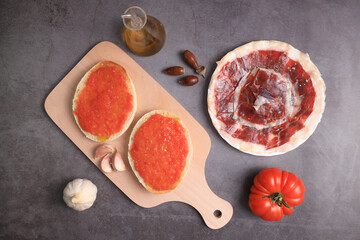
126 16
134 18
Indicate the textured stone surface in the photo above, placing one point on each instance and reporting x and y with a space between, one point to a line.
40 41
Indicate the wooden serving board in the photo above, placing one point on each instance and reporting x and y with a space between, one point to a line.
194 189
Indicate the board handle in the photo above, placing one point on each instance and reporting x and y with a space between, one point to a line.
215 211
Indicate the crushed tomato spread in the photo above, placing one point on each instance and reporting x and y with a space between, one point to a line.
159 151
105 102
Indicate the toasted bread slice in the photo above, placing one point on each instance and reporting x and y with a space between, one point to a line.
130 113
151 165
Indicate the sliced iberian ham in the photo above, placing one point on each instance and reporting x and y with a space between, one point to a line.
266 98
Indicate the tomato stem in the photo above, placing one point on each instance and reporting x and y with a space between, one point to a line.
277 198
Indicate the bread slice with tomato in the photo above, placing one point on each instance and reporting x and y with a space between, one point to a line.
104 103
160 151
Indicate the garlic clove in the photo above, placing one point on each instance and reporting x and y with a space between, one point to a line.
105 163
117 162
103 150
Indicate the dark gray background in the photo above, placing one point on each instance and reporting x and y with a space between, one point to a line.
41 41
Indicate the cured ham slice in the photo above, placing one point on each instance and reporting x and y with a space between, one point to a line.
266 98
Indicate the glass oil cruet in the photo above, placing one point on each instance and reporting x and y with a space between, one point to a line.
144 35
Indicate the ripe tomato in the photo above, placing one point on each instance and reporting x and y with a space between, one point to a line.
275 193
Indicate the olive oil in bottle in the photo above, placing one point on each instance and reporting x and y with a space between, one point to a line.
144 35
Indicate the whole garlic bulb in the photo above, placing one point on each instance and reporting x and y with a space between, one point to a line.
80 194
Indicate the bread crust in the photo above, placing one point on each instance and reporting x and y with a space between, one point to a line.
81 85
311 123
142 120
